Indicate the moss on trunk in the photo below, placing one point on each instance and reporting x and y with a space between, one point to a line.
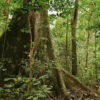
15 41
14 50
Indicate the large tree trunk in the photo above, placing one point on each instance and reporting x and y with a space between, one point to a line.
33 48
17 40
62 79
57 74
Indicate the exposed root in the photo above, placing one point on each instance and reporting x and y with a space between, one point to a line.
72 82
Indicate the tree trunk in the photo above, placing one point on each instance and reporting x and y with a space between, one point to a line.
67 55
62 79
96 73
17 41
87 46
57 74
33 48
74 24
87 42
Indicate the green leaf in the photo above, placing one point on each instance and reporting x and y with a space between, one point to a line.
41 95
1 89
8 90
9 85
35 98
30 97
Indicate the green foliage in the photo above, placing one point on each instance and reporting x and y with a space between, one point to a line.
58 34
17 88
88 22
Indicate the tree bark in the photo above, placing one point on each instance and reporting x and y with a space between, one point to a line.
74 24
96 72
57 74
67 55
61 78
17 41
87 42
87 46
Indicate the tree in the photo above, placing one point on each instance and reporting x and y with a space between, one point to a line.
74 24
60 77
67 45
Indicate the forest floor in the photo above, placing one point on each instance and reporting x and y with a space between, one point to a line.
75 94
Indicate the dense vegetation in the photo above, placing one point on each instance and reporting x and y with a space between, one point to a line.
46 47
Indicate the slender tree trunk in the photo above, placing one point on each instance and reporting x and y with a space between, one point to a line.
87 43
67 47
31 56
87 47
74 25
96 74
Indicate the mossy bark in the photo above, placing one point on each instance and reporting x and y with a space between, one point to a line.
62 79
15 51
74 53
17 40
57 74
33 47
